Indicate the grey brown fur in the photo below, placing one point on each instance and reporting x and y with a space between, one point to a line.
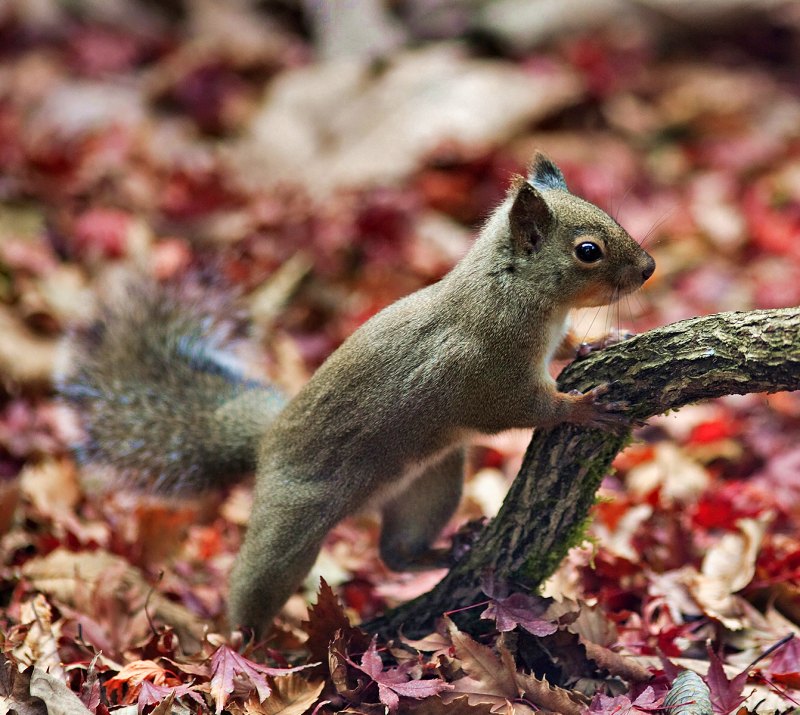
383 421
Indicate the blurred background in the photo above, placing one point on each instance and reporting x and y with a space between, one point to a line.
352 147
325 158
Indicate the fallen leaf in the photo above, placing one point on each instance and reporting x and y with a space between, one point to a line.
725 693
291 695
728 567
646 703
488 679
53 691
616 663
520 609
395 682
227 664
325 618
15 695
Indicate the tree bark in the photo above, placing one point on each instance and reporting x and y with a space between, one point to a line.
545 510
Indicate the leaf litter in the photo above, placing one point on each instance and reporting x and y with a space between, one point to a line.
137 136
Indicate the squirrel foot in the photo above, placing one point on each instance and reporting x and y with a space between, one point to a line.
588 410
613 338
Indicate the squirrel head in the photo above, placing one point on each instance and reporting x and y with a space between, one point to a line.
575 250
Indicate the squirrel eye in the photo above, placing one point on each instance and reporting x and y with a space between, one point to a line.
588 252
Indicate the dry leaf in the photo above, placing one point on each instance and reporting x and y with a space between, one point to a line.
488 678
24 356
549 697
52 485
40 646
62 573
617 664
292 695
59 698
339 123
9 498
728 567
679 477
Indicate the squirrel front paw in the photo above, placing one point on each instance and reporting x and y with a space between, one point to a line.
588 410
613 338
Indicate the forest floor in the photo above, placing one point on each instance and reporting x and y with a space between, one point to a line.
212 145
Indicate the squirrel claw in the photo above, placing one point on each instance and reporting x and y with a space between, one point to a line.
613 338
609 416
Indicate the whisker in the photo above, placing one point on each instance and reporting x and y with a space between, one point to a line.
622 201
585 338
656 225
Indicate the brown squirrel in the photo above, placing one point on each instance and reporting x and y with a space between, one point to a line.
383 420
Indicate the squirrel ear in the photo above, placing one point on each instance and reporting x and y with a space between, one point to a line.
530 218
544 174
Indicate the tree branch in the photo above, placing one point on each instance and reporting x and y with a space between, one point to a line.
549 501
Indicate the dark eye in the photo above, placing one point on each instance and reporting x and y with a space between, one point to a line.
588 252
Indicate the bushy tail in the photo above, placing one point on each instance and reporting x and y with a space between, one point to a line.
161 397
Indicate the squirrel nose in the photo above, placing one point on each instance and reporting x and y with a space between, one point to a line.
649 269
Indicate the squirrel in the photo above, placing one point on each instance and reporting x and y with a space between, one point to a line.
383 421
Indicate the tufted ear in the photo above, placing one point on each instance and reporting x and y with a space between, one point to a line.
544 174
530 219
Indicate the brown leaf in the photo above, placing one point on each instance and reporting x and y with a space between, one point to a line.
458 706
51 485
728 567
325 618
40 646
165 706
15 691
291 695
616 664
24 357
59 698
62 573
9 498
488 679
549 697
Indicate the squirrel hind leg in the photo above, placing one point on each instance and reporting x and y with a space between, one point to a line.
414 518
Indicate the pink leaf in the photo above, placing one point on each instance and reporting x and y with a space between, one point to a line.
226 664
395 682
519 609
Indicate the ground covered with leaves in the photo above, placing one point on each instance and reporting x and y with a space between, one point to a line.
205 140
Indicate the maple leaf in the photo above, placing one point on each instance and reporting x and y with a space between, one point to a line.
151 694
133 676
325 618
493 679
647 702
519 609
726 695
394 682
227 664
516 609
785 665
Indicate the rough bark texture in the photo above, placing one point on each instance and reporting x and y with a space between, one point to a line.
549 502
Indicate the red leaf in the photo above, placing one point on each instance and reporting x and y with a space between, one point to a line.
785 665
726 695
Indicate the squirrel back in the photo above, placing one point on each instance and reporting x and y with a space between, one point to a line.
162 400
